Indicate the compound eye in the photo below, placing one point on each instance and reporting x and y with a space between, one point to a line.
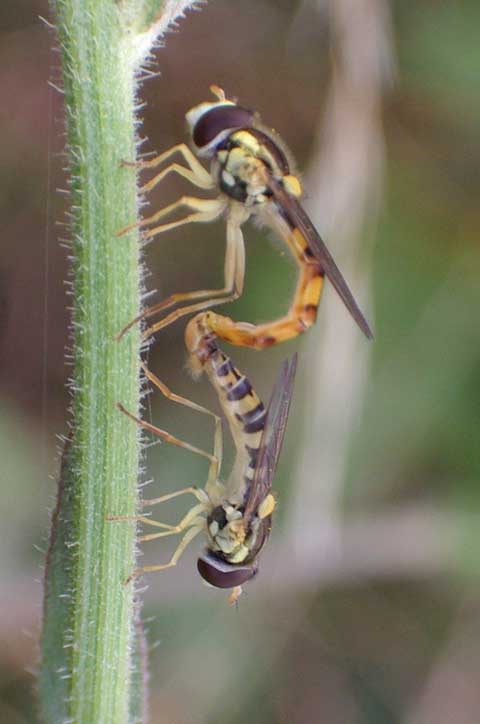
223 575
219 119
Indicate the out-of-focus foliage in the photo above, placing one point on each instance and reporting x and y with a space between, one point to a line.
386 632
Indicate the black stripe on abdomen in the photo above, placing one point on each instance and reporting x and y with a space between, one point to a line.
252 456
239 390
225 368
253 420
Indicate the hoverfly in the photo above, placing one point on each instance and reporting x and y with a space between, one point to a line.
249 167
235 515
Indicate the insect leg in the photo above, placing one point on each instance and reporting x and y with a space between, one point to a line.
193 516
199 171
186 173
202 180
216 461
196 492
199 494
204 210
234 274
186 540
166 435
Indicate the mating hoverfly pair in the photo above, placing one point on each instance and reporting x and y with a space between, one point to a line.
250 171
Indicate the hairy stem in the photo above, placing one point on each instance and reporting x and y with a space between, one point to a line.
89 644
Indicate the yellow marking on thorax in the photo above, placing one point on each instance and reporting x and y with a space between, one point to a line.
247 141
266 507
245 166
292 185
251 145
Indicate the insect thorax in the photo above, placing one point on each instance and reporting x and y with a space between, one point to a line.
243 163
228 537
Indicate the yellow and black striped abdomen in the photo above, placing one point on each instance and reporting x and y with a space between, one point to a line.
241 403
244 410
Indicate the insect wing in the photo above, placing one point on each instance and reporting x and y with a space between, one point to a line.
296 218
273 434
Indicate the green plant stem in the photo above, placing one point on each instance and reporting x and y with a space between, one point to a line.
92 641
89 613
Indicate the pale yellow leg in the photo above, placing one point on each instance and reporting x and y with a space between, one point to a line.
200 495
193 517
194 520
204 210
186 540
166 435
202 181
215 459
140 519
234 275
216 463
187 154
195 514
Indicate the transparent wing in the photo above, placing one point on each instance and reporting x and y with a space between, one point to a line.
272 438
296 218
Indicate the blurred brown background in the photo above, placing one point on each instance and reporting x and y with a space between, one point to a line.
367 607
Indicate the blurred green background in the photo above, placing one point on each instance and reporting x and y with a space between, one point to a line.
367 606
